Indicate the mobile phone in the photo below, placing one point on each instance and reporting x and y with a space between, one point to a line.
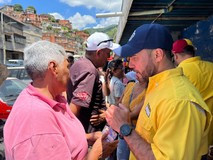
112 134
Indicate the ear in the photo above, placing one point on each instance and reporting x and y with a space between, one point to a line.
175 56
158 55
52 67
98 52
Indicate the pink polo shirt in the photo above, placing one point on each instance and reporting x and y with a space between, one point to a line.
41 128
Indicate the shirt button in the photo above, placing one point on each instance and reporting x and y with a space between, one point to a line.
156 84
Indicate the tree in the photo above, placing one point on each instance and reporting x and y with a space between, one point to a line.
86 31
49 27
18 8
31 8
52 18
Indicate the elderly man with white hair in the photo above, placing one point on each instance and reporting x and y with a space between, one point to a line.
41 124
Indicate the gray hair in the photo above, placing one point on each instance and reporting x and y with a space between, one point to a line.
39 54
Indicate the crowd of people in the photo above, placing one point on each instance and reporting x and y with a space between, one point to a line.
160 109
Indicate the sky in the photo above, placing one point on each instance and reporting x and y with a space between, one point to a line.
81 13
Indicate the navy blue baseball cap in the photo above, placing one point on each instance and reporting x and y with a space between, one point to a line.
147 36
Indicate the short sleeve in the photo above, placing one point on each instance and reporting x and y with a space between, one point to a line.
84 89
118 89
42 147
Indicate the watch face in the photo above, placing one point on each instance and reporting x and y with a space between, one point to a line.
125 130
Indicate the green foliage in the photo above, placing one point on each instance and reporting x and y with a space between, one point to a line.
49 28
18 8
86 31
110 30
31 8
52 18
66 29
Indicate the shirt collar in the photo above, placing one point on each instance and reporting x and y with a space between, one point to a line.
192 59
60 100
159 78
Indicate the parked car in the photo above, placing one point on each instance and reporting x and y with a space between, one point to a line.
9 91
15 62
20 73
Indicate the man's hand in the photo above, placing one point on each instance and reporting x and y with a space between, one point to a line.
117 116
102 148
97 119
92 137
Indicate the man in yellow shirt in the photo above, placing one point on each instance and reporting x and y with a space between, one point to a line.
199 72
174 120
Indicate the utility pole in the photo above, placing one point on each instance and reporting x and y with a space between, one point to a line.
3 38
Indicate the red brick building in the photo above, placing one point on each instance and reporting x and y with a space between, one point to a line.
65 23
68 44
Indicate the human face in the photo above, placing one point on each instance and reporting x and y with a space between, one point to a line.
63 75
142 64
119 72
103 55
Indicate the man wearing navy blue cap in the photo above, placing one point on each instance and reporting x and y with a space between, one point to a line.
174 120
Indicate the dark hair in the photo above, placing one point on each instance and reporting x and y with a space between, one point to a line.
70 59
168 54
190 50
114 64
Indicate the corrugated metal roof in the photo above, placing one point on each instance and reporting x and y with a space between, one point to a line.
178 15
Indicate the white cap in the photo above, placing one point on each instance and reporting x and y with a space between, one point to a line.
99 40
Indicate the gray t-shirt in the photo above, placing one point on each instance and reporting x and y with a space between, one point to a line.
116 89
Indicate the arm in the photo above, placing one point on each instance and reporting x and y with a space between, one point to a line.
116 117
83 92
140 148
92 137
75 109
101 148
136 110
105 83
105 88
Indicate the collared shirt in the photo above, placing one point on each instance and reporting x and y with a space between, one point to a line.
200 73
174 119
42 128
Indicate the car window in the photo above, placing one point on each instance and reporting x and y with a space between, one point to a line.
11 88
19 73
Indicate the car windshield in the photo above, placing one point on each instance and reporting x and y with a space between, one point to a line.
10 89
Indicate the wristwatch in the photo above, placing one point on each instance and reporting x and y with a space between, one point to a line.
125 130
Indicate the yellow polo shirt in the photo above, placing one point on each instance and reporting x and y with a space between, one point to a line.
200 73
171 120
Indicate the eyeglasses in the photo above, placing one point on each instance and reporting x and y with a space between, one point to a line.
109 40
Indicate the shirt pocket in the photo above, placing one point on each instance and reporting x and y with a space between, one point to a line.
145 128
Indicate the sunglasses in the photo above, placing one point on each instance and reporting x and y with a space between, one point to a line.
109 40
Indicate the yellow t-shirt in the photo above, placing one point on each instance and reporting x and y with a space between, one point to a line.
171 120
200 73
127 95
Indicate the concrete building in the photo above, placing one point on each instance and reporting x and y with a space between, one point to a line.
32 33
12 40
69 44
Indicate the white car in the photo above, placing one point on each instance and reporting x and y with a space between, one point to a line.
20 73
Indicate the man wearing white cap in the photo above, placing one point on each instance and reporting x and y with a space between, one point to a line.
84 92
